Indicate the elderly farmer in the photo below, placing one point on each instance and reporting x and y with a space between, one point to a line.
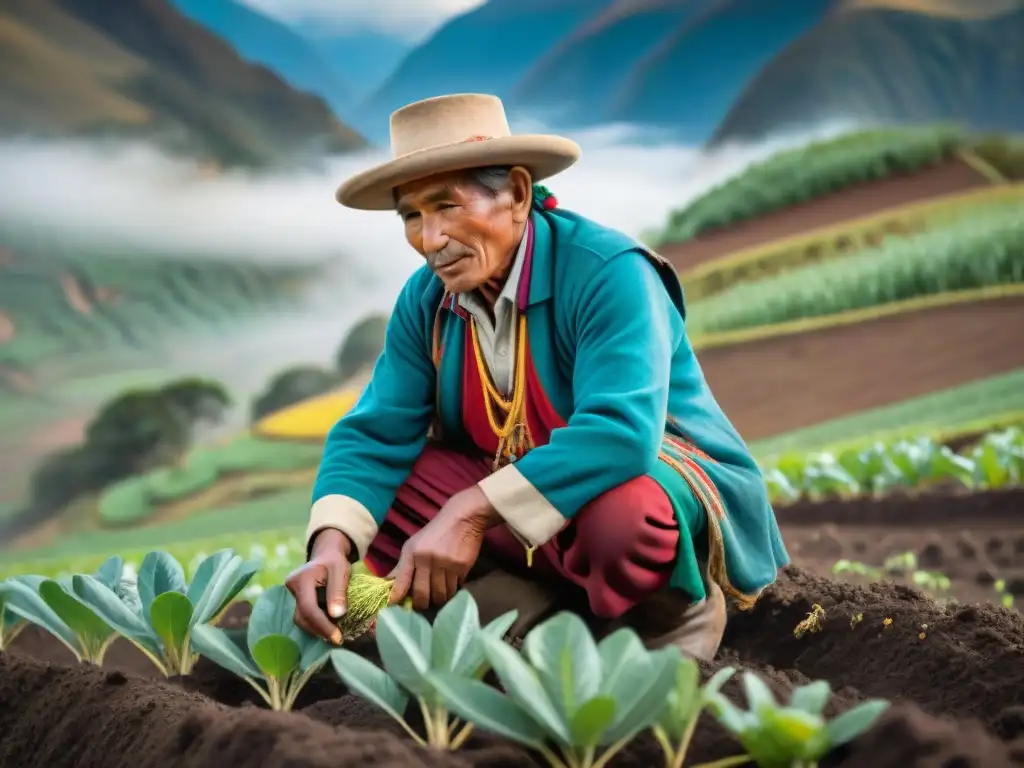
537 402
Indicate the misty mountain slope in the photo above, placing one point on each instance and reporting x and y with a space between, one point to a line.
689 80
140 69
363 58
894 67
487 50
62 301
576 81
264 40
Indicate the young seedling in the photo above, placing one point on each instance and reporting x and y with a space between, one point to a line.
273 650
52 605
675 726
11 624
566 695
796 734
413 653
160 613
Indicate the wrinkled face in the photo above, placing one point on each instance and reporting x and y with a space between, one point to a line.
467 232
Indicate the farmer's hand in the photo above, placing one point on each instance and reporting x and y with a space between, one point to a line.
435 561
328 566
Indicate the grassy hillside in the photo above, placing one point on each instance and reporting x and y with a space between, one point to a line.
895 66
141 69
61 301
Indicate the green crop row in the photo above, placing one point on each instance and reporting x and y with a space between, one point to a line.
797 175
980 406
996 461
981 251
131 501
574 701
845 239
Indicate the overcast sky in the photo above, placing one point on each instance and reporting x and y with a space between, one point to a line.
413 19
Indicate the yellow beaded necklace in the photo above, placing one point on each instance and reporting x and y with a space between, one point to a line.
513 433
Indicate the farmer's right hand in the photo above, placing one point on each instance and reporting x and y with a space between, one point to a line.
328 567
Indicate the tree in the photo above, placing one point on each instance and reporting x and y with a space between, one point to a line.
362 346
291 386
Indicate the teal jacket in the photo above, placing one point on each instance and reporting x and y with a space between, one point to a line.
606 321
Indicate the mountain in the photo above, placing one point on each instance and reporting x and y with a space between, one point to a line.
263 40
362 57
139 68
893 65
487 49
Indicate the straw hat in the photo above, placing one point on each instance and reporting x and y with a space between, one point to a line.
450 133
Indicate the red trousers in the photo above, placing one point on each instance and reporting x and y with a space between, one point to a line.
619 549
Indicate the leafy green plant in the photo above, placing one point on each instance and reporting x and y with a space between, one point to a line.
795 734
574 701
420 660
272 651
162 619
52 605
678 719
11 624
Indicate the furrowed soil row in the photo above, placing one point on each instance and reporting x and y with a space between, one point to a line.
863 199
968 671
776 384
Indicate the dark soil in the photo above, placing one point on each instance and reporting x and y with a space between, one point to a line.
968 671
973 539
857 200
782 383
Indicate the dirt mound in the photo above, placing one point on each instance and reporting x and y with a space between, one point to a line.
968 669
972 539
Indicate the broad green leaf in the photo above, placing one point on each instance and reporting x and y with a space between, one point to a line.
171 617
759 695
620 653
455 634
159 573
473 663
591 720
684 700
732 718
277 656
644 705
404 643
110 572
272 614
315 651
371 682
81 619
478 703
226 583
24 601
784 735
564 653
522 683
216 645
205 572
854 722
112 610
811 698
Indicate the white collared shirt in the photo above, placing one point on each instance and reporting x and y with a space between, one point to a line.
498 336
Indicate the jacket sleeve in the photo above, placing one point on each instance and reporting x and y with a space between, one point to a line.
626 329
371 450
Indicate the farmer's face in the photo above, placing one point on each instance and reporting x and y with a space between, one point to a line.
466 233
